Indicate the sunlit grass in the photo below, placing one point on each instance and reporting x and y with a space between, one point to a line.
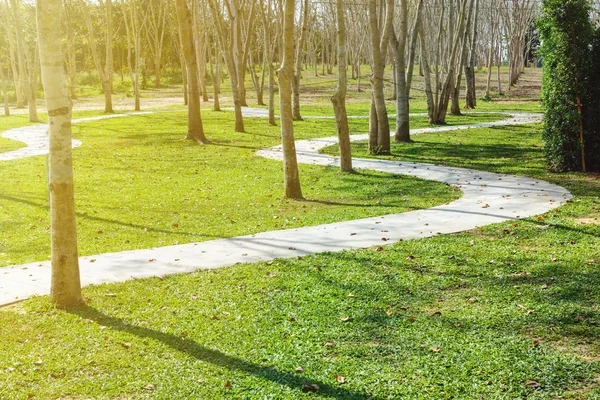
139 184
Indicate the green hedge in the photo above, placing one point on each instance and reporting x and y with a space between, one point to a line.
570 66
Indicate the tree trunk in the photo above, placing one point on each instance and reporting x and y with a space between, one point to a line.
471 100
32 66
108 66
65 285
402 107
216 80
339 98
92 42
228 50
20 50
298 69
490 62
427 77
291 177
4 92
379 42
184 18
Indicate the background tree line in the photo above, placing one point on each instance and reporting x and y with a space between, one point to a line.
130 45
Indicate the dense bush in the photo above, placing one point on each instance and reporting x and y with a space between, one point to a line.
566 34
592 108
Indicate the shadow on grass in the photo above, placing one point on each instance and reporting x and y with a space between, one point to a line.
215 357
109 221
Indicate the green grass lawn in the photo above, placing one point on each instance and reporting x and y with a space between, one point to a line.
139 185
9 145
508 311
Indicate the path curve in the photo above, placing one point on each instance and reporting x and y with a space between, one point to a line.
487 198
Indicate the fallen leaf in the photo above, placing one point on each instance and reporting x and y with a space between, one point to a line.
341 380
389 313
227 385
532 384
329 344
93 260
486 206
345 319
152 260
299 369
436 313
544 286
434 349
126 345
149 387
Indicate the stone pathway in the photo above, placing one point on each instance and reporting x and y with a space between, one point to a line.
487 198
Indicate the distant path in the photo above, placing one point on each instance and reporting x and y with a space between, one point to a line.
487 198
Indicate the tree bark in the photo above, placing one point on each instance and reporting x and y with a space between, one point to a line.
298 69
65 286
184 18
291 177
399 46
228 48
471 99
379 44
105 78
339 98
20 50
4 92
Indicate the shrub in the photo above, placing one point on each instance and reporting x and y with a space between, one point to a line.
566 34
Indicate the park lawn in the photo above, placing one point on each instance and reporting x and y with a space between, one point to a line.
507 311
9 145
139 184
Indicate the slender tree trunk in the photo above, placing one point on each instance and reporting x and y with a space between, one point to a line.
339 98
379 42
108 66
65 285
216 80
4 92
32 66
499 62
298 69
490 62
291 177
470 69
269 50
228 50
20 50
427 77
102 73
195 128
402 107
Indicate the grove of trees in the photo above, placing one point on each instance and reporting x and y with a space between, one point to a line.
92 46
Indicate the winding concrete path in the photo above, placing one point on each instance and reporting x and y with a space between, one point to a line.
487 198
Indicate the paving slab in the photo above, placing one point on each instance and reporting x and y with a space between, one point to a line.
487 198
